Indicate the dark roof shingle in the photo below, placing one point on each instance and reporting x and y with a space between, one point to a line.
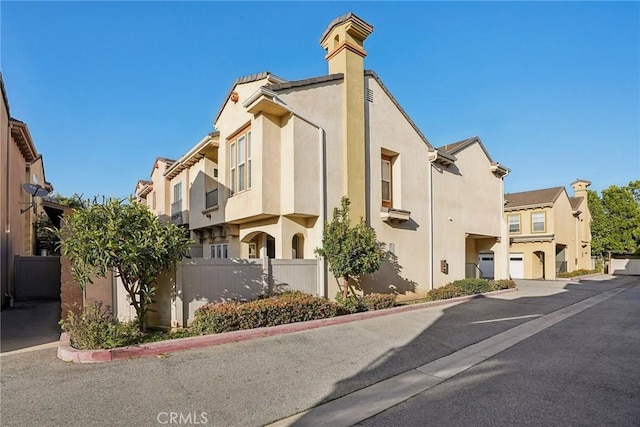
534 197
575 202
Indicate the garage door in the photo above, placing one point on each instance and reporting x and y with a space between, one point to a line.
516 266
486 265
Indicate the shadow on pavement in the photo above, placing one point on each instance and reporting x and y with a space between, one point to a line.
28 324
467 323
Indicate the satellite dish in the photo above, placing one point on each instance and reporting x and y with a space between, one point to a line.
35 190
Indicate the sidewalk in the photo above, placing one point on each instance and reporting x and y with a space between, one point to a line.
29 326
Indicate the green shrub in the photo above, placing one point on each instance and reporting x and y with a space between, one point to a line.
503 284
352 304
445 292
95 328
289 307
473 286
576 273
379 301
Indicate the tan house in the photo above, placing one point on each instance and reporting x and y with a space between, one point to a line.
285 152
154 192
20 164
549 231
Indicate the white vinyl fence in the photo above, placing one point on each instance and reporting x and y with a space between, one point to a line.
198 281
625 265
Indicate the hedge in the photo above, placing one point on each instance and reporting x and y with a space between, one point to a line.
289 307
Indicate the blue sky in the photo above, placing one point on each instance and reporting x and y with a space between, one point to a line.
551 88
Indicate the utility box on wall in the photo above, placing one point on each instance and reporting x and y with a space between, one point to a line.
444 266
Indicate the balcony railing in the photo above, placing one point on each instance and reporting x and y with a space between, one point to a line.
176 212
211 199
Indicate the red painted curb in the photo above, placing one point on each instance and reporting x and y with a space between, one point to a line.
70 354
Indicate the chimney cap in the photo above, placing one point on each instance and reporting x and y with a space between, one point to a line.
364 28
580 181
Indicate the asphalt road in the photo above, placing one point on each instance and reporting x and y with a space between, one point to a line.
580 371
583 371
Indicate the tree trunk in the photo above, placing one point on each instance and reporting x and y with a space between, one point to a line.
141 315
345 286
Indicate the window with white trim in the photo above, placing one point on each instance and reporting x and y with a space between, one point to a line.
514 223
240 162
219 251
538 222
386 182
177 192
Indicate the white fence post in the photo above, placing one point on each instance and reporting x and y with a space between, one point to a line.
177 312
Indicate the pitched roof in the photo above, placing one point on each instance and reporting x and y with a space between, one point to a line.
169 162
4 94
575 202
397 104
461 145
247 79
532 198
21 135
294 84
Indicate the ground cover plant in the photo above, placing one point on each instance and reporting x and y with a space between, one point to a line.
576 273
464 287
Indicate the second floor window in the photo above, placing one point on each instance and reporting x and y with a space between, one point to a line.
177 192
538 222
387 200
514 223
240 162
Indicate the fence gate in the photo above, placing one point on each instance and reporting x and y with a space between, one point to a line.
36 277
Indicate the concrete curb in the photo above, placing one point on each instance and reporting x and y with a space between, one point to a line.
70 354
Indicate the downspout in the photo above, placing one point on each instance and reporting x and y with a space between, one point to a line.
433 155
7 226
504 229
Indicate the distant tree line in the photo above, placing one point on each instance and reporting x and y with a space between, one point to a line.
615 226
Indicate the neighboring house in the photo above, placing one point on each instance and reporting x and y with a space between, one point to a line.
154 192
549 231
285 152
20 164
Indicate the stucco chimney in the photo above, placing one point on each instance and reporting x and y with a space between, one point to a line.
344 42
580 188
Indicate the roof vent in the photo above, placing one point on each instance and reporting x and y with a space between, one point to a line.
369 95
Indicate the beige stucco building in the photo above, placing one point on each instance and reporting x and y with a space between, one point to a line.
155 191
549 231
285 152
20 164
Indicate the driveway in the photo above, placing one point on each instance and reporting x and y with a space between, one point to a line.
258 382
28 326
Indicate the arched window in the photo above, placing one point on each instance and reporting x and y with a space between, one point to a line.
297 244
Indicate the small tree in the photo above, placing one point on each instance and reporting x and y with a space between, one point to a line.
127 238
350 251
